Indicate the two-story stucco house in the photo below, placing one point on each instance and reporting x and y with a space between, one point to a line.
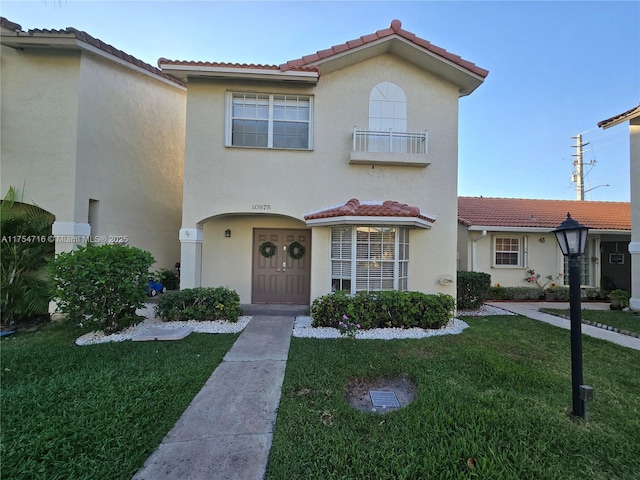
95 137
335 171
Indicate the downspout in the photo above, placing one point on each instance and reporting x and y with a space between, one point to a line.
474 254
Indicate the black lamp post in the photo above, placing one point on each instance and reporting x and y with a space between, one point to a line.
572 238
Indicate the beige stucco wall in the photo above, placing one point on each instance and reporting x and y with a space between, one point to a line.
228 261
77 127
130 156
221 180
38 127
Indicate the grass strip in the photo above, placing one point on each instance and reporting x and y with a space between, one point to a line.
499 393
94 411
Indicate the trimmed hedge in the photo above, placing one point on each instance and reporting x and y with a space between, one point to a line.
200 304
472 289
384 309
514 293
536 293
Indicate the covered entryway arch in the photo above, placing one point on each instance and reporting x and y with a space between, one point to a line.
224 250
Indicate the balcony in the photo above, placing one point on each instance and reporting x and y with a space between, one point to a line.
388 147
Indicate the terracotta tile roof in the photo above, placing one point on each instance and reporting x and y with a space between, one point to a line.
394 29
89 40
306 63
167 62
548 214
353 208
629 114
5 23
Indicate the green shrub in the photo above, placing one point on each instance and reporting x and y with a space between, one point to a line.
24 251
200 304
513 293
621 297
472 289
594 294
383 309
102 284
170 279
534 293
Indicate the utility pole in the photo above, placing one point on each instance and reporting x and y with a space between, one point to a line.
578 173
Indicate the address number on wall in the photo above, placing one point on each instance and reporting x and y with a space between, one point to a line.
261 206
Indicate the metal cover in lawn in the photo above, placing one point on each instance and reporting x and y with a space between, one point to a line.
380 398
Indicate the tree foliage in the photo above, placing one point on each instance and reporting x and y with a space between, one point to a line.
24 251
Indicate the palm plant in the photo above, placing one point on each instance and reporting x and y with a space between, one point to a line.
25 248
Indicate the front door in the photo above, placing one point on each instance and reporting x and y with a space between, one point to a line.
281 274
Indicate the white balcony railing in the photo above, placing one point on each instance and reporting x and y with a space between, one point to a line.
389 141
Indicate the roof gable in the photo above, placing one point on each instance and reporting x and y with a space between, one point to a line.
402 43
516 213
72 39
394 40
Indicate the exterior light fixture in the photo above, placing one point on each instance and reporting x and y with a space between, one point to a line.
227 233
572 239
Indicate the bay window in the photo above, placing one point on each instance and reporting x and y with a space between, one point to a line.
369 258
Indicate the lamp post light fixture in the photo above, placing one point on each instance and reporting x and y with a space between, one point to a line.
572 238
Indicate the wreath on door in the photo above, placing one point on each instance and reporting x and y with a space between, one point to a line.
296 250
268 249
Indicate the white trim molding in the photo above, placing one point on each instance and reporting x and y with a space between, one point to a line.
71 229
369 220
634 247
191 235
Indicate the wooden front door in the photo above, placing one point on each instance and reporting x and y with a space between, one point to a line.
281 278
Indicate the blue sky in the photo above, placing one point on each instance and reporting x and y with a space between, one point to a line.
556 69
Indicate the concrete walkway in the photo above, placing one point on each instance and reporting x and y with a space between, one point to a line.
531 310
226 431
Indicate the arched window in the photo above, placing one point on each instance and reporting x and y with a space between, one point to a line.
388 114
388 108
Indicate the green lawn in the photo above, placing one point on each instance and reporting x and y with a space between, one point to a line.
499 393
94 412
615 318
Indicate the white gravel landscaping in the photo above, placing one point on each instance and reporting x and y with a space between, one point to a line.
154 323
302 327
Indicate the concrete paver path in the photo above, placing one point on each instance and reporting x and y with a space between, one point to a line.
531 310
226 431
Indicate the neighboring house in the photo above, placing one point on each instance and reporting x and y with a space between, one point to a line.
633 117
94 136
336 171
507 236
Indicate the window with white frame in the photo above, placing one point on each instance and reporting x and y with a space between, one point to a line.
585 267
269 121
508 252
369 258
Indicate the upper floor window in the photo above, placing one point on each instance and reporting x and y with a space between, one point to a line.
388 108
269 121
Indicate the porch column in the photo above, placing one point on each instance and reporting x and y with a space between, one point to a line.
191 257
634 246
